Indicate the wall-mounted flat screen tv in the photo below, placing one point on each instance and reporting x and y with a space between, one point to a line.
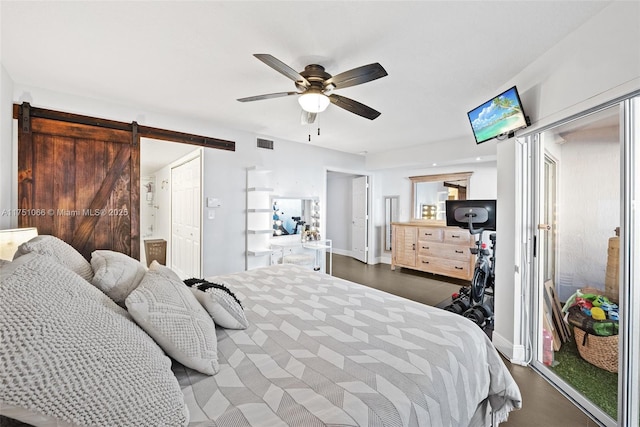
498 116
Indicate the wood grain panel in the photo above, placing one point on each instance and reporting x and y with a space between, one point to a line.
80 175
80 131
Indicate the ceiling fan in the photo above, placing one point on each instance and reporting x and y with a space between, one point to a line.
315 87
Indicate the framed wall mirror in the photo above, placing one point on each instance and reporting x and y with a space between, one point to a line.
294 215
390 216
430 192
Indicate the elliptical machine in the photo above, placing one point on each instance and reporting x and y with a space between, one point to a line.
476 301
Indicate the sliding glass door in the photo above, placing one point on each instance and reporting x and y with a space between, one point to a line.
584 230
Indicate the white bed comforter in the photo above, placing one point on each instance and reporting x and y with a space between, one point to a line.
322 351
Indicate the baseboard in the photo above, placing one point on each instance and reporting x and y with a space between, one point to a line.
344 252
515 353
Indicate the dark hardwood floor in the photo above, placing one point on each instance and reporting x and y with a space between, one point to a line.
542 404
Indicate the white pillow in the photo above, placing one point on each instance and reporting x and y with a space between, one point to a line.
164 307
69 356
116 274
58 250
223 307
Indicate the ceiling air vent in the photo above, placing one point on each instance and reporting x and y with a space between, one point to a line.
265 143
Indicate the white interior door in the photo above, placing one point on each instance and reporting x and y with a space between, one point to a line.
359 218
186 212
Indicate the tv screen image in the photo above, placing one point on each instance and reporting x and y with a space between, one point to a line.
500 115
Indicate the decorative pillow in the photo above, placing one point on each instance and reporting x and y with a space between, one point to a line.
60 251
169 312
223 306
69 356
116 274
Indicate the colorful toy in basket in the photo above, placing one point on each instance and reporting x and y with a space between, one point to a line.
593 313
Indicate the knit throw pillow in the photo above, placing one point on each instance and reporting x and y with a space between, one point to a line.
59 251
220 302
69 356
116 274
164 307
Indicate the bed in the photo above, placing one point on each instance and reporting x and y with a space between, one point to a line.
315 351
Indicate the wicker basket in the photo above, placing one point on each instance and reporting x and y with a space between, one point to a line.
599 351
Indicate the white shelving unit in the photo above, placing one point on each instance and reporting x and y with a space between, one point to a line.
259 228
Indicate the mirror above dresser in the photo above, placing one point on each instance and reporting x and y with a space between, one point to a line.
430 192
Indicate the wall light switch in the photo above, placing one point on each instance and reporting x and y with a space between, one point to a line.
212 214
212 202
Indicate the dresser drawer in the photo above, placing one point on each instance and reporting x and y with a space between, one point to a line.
446 267
443 250
457 237
430 234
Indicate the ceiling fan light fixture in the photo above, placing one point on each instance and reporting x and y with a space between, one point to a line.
314 101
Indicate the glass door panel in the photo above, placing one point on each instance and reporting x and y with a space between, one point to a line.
578 213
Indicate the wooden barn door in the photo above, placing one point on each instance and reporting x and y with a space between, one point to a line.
78 179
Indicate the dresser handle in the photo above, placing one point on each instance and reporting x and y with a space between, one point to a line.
459 252
413 246
428 234
455 236
425 262
425 247
458 268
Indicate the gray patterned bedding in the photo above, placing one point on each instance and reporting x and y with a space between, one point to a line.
322 351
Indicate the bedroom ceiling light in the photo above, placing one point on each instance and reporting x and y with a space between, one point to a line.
313 101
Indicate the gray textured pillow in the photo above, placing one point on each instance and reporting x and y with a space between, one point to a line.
69 356
223 308
164 307
116 274
58 250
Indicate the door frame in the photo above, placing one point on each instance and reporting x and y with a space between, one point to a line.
629 369
370 221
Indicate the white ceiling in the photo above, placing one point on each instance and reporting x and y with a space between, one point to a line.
194 59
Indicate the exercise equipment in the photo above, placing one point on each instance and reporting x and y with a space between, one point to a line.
476 301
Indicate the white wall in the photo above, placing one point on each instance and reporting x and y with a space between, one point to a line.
596 63
339 211
395 182
8 168
298 169
588 212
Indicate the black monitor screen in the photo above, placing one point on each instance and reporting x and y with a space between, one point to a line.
481 212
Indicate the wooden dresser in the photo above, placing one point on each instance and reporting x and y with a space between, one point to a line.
434 249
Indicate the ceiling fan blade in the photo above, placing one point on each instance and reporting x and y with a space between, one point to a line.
267 96
307 118
354 106
282 68
357 76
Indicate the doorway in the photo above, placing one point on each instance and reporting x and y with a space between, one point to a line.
347 218
157 157
582 193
